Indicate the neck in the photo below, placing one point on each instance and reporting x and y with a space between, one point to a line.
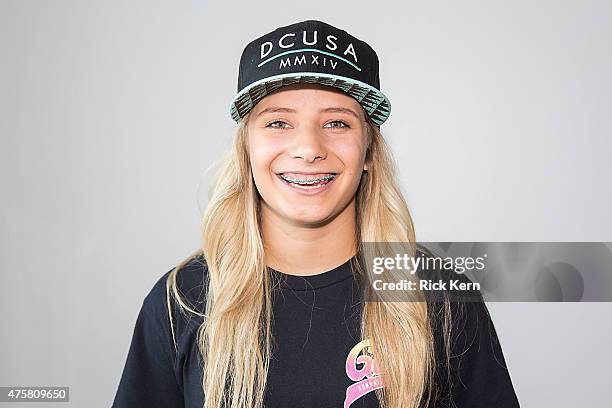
299 249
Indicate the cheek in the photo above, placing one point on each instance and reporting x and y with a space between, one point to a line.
351 153
262 154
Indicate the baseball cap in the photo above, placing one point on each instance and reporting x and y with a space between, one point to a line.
312 52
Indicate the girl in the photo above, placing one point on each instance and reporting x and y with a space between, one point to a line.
275 308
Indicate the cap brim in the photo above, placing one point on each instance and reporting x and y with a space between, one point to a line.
373 101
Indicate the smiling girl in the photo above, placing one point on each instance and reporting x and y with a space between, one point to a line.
274 310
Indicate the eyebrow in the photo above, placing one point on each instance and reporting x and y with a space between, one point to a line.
333 109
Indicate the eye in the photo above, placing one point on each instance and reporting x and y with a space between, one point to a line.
339 124
280 122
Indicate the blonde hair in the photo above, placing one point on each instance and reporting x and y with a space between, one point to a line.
235 336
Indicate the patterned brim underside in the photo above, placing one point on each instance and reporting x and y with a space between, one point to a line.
372 100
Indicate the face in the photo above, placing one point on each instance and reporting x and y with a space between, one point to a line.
307 145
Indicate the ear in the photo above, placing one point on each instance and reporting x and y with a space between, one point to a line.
365 168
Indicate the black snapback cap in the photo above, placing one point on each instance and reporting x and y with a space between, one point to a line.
314 52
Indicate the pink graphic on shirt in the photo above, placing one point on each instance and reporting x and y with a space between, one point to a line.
368 377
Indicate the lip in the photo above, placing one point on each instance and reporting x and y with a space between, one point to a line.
310 173
310 191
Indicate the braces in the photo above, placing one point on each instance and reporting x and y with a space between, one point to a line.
317 180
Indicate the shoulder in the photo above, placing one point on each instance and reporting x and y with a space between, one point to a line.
471 368
463 312
188 280
153 372
455 286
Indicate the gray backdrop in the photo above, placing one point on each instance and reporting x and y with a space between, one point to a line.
111 111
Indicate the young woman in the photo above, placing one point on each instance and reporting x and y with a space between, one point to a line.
275 310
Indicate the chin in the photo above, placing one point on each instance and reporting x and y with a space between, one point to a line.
309 217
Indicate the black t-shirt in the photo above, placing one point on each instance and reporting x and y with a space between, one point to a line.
316 339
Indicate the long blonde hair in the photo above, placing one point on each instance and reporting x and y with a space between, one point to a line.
235 336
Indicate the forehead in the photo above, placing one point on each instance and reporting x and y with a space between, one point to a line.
308 96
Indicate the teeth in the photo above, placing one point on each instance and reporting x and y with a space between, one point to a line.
308 186
302 181
305 181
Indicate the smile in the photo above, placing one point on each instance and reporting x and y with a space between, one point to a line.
307 181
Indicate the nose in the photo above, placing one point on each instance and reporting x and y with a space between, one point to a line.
308 144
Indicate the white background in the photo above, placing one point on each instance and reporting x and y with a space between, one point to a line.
111 111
